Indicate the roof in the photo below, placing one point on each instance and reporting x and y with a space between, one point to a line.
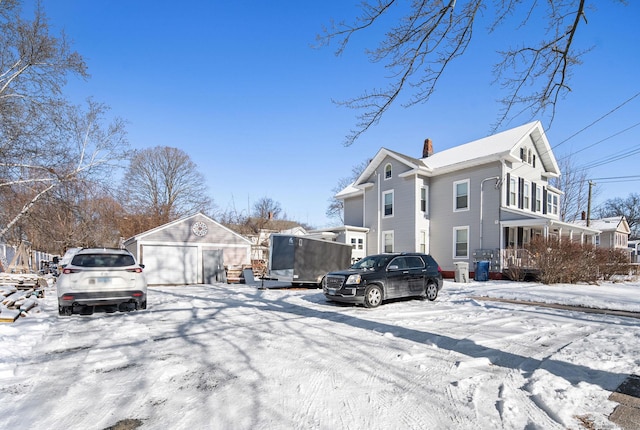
199 215
614 223
504 145
501 146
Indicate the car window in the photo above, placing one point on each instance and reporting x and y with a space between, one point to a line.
430 262
372 262
399 262
102 260
414 262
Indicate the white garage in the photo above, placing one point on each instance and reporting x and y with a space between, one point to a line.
191 250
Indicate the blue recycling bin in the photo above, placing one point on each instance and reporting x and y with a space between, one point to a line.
482 271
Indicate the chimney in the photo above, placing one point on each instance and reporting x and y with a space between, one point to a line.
427 149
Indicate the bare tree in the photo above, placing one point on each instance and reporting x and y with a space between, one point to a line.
163 184
34 66
629 207
74 214
80 149
336 206
574 183
433 33
266 208
44 141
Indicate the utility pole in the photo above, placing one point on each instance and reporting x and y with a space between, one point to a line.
591 184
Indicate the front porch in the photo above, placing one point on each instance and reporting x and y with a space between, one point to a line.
515 259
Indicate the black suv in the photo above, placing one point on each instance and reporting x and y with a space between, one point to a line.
385 276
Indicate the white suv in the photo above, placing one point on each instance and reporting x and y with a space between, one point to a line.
101 277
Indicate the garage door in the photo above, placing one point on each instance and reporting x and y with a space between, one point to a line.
170 265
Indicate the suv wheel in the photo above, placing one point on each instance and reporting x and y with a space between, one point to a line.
372 296
431 291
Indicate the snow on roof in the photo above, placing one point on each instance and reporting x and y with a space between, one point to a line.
604 224
500 146
479 151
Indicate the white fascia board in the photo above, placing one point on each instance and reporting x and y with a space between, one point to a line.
547 222
419 172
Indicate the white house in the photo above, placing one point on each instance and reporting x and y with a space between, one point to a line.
483 200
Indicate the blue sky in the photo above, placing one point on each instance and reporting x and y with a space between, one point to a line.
239 87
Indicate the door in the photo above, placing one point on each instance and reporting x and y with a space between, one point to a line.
416 282
213 266
397 278
170 265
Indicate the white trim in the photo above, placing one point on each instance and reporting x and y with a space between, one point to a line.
393 198
426 199
455 195
526 195
455 231
393 245
390 166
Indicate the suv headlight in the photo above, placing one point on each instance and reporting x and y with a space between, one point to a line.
353 279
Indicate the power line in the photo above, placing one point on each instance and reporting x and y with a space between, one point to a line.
597 120
610 159
614 179
602 140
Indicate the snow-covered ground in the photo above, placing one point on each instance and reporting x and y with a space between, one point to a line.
238 357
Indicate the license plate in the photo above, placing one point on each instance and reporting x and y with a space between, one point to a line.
104 280
331 291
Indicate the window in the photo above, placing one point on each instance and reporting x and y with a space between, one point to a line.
526 236
353 243
528 156
461 195
387 171
512 191
461 242
387 201
552 203
423 199
423 241
388 241
414 262
526 196
538 198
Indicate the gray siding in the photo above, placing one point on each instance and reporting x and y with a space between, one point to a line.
444 219
353 211
181 232
403 220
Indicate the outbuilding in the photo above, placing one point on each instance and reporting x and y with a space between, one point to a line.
191 250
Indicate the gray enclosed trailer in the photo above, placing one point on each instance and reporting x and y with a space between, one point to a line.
305 260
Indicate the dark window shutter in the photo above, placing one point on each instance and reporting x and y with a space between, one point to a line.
522 154
508 187
533 196
534 160
544 200
520 193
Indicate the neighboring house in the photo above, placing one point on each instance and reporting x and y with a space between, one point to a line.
354 236
634 249
614 231
484 200
259 232
191 250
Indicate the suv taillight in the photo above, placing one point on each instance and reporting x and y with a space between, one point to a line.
136 270
67 271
